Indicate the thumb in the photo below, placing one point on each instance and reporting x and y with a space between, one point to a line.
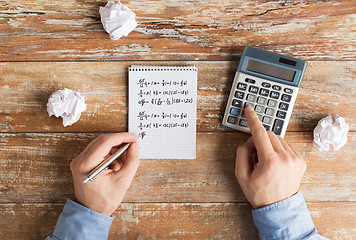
244 158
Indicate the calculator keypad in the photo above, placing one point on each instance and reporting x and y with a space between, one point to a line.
237 103
253 89
242 86
270 101
274 95
264 92
239 95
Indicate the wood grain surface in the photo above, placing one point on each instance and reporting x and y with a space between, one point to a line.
50 45
335 220
328 88
178 30
35 168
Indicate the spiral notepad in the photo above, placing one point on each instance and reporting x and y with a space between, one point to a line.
162 110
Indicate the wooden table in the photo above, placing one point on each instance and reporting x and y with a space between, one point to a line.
49 45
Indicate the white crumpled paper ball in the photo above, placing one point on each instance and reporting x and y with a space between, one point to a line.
331 132
117 19
67 104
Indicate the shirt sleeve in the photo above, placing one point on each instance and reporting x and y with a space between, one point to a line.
287 219
78 222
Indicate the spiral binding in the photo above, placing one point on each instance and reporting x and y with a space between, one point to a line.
162 68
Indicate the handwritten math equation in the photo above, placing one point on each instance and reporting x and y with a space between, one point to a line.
146 83
142 115
166 94
167 101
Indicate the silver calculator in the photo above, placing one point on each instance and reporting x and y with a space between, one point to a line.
268 82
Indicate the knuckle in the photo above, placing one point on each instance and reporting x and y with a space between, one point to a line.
272 157
272 162
289 159
240 148
303 165
103 138
240 176
79 167
72 166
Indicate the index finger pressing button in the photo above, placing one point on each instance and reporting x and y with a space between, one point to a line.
259 133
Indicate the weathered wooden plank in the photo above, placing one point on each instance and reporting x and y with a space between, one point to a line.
184 30
35 168
174 221
327 88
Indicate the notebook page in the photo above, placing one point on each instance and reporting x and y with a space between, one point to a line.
162 110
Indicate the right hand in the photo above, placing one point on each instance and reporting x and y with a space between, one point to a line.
106 192
267 168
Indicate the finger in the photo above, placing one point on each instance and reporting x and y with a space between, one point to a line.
116 165
123 157
289 148
259 133
244 158
104 145
131 163
276 143
114 150
254 159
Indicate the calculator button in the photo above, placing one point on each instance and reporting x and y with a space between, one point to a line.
266 85
281 114
283 106
262 100
239 95
249 104
264 92
243 114
253 89
237 103
288 90
286 97
274 95
241 86
260 117
243 123
251 98
249 80
267 120
232 120
259 109
272 103
276 87
235 111
277 127
269 111
267 127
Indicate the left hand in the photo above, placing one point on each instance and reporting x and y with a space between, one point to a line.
106 192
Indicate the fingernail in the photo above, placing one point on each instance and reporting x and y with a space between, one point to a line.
249 109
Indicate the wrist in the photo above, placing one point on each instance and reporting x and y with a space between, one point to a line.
271 202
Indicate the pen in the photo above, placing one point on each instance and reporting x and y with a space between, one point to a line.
105 165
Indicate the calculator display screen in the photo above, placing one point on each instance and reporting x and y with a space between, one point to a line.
270 70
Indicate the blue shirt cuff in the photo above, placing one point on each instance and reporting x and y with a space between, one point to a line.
286 219
79 222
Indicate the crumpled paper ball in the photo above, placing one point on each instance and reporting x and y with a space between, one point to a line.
67 104
117 19
331 132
